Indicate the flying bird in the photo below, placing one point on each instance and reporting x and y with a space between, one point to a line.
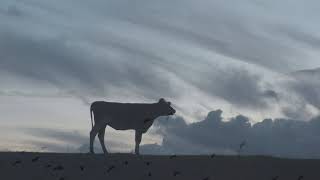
81 167
242 144
300 177
173 156
35 159
58 168
176 173
110 168
16 162
206 178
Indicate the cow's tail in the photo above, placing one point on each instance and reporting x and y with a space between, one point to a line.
91 110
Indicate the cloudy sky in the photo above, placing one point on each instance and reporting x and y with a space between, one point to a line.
251 58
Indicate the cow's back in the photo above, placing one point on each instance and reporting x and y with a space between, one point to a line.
121 116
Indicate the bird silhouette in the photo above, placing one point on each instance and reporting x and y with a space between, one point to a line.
176 173
242 144
173 156
110 168
35 159
16 162
300 177
58 168
213 155
81 167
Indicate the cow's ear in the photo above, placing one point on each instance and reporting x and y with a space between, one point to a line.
161 100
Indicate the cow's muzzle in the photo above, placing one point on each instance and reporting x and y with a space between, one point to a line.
172 113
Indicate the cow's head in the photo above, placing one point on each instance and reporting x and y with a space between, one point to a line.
166 108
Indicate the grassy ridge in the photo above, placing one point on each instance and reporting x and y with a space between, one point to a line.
67 166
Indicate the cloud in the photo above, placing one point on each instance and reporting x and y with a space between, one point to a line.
55 62
307 85
214 134
150 50
14 11
299 96
278 137
239 87
76 72
305 38
201 55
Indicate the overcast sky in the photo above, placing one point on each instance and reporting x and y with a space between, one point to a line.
242 57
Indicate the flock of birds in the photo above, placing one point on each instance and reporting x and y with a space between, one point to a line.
110 168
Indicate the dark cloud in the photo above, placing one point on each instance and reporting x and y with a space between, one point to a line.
139 49
278 137
271 94
224 32
299 36
306 83
239 87
55 62
14 11
59 62
298 111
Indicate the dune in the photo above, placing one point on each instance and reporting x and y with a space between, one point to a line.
75 166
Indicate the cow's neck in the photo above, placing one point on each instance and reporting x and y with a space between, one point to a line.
155 113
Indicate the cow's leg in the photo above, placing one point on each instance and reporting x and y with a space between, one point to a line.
138 141
101 139
93 134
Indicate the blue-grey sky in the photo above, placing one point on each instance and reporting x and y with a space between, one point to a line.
241 57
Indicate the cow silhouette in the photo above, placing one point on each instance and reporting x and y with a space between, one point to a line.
125 116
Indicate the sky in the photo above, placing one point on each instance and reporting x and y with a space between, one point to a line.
251 59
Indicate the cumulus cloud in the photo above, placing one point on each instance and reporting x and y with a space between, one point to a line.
215 134
278 137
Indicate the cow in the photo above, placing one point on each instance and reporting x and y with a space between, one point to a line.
125 116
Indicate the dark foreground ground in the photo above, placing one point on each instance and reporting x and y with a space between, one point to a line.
46 166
